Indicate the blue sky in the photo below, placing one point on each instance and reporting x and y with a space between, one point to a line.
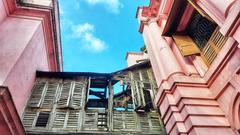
97 34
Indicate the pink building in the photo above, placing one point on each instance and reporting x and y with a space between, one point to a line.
29 41
194 50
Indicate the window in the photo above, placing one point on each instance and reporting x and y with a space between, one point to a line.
60 100
201 37
200 29
42 119
142 89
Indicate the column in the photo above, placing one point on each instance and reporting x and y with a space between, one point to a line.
168 62
155 61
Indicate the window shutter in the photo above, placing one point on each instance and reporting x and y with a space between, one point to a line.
29 118
59 119
50 95
129 121
90 121
118 121
136 75
144 122
144 75
66 119
38 92
186 45
77 95
155 122
135 95
72 120
64 98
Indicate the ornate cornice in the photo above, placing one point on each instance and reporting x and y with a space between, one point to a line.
150 13
152 10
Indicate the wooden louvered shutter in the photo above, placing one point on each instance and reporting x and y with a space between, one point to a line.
77 95
37 94
50 95
135 95
29 118
186 45
136 75
144 76
59 119
143 122
90 121
213 46
118 121
129 121
64 98
155 122
73 120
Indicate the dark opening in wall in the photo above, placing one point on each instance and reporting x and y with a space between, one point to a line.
200 29
42 119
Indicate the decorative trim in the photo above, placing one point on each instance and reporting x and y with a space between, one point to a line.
10 112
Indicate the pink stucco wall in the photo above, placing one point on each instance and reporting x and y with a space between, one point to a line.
23 51
198 100
21 57
3 13
27 44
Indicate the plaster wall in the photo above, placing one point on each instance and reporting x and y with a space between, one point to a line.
202 100
22 53
3 13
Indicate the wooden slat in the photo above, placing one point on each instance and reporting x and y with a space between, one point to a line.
144 122
90 121
118 124
37 94
29 118
77 95
65 95
50 95
186 45
129 121
213 46
144 75
59 119
72 121
155 124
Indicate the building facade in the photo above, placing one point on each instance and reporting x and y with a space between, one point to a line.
29 41
94 103
194 50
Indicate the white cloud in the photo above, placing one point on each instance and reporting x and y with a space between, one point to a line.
81 29
84 32
93 43
111 5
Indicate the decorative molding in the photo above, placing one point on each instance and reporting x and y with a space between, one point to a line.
8 109
46 15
